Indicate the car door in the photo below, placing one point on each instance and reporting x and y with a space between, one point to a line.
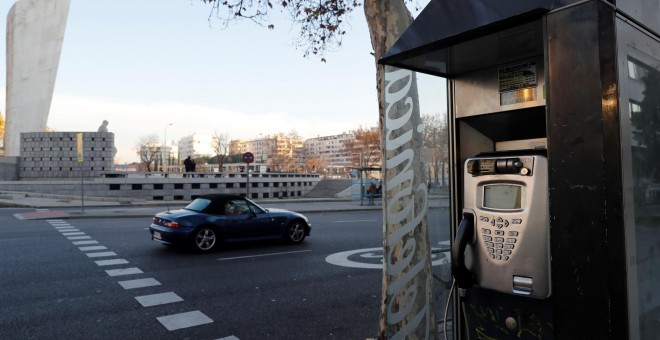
243 222
267 225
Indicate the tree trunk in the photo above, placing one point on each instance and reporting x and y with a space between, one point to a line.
407 296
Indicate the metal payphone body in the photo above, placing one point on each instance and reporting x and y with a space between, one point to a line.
506 204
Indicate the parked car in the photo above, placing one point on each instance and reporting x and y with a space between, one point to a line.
211 219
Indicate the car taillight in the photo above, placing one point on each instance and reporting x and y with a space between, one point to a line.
173 224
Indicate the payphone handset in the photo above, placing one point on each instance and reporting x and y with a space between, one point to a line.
505 226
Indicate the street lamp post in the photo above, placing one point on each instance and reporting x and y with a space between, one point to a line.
166 161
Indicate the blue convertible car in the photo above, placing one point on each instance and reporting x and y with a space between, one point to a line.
210 219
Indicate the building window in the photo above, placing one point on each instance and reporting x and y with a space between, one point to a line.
636 70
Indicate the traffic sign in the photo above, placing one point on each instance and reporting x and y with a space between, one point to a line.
248 157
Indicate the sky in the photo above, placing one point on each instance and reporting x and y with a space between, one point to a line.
144 64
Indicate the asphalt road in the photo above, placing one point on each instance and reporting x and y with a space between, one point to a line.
58 282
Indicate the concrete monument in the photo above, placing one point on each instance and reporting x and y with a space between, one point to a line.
35 31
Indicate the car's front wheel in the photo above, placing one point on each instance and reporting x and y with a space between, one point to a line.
295 233
205 239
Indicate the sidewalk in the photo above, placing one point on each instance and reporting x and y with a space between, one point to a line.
70 207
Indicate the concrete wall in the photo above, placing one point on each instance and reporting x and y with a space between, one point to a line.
55 154
35 31
262 186
8 168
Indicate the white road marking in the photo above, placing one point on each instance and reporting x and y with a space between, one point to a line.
231 337
41 210
102 254
354 221
78 243
110 262
124 271
139 283
158 299
184 320
92 248
343 258
73 233
260 255
65 227
79 237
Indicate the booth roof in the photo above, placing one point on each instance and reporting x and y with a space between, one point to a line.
425 45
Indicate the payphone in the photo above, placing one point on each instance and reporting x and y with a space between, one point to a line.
566 79
502 242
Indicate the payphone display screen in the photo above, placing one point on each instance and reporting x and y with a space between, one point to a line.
502 196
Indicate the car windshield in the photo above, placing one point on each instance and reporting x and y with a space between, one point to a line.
199 204
256 208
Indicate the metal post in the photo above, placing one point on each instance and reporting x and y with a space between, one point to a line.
247 186
82 189
166 162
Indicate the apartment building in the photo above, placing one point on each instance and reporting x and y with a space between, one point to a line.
194 146
331 150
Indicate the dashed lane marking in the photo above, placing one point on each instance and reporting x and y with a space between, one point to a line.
110 262
139 283
124 271
102 254
184 320
261 255
92 248
158 299
354 221
79 243
171 322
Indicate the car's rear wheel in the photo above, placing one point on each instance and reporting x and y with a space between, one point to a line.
205 239
295 233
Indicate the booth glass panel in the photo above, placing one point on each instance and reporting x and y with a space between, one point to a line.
435 151
639 78
415 201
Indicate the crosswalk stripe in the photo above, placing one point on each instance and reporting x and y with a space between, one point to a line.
184 320
92 248
139 283
79 237
78 243
102 254
74 233
158 299
110 262
124 271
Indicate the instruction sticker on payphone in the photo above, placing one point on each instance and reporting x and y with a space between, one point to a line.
503 240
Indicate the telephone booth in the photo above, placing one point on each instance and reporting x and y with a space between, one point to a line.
554 119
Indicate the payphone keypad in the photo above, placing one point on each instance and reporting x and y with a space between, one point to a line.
499 244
